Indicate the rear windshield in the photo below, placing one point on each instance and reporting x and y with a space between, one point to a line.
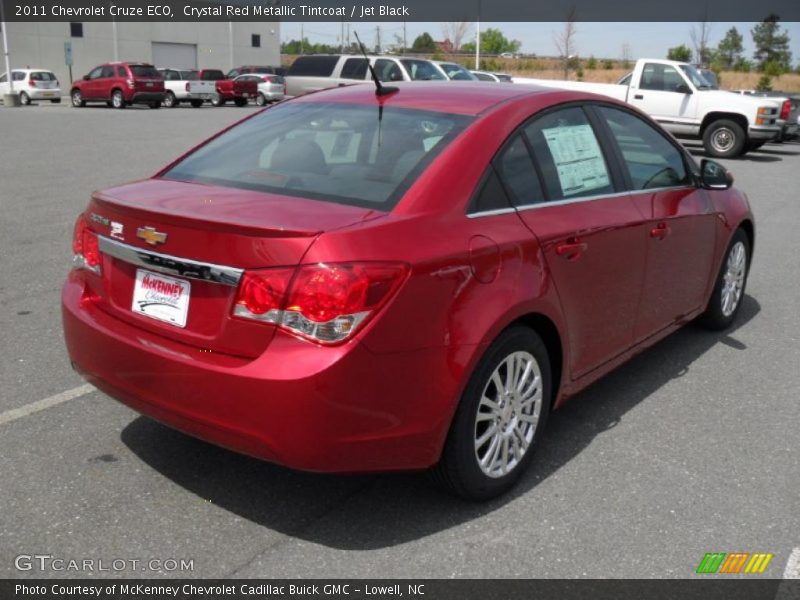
421 70
212 75
42 76
144 71
276 79
190 75
343 153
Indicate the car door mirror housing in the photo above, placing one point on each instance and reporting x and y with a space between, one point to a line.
682 88
86 78
714 176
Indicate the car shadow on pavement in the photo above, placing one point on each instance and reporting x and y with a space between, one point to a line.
367 512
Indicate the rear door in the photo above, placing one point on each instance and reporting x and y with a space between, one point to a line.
591 233
681 226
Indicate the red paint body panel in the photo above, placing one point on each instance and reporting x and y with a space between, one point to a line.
384 399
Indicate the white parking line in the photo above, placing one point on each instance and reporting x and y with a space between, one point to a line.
39 405
792 570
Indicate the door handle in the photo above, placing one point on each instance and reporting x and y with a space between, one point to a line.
571 249
638 97
660 231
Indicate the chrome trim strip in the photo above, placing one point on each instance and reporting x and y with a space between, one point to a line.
491 213
170 265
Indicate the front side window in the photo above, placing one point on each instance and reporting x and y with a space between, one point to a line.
651 160
388 70
342 153
569 155
107 72
421 70
95 73
662 78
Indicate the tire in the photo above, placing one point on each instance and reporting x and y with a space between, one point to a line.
261 100
197 103
724 139
216 100
726 299
55 101
24 99
154 104
240 102
77 99
170 100
117 99
488 446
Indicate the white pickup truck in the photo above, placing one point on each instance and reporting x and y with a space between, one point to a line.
680 99
184 85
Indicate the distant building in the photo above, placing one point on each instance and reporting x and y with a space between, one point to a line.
181 45
445 46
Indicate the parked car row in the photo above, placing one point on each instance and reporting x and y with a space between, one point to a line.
121 84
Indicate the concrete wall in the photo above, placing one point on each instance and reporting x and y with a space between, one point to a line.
41 45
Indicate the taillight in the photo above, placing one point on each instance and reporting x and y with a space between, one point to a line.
86 253
324 302
188 86
785 110
284 88
131 83
32 82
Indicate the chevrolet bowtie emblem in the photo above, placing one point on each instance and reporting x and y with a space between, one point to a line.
151 236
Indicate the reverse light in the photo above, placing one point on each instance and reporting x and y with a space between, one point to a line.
326 303
85 250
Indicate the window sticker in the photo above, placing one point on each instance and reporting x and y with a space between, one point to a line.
578 158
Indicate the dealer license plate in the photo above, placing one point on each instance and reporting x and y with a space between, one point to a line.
160 297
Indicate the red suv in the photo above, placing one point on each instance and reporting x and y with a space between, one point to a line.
120 84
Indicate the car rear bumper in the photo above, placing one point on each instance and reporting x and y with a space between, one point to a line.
147 97
44 94
326 409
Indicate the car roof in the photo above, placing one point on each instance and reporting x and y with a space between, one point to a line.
459 97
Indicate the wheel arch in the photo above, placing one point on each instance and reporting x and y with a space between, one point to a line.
711 117
750 231
547 330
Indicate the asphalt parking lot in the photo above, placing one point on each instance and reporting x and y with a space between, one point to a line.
690 448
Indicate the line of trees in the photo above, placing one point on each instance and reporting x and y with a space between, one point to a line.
771 55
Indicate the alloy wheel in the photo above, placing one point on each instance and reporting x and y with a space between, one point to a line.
733 279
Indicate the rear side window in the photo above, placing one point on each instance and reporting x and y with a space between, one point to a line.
144 71
651 160
348 154
314 66
569 156
491 195
456 72
354 68
519 175
122 72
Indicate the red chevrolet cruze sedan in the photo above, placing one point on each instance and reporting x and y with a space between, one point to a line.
351 281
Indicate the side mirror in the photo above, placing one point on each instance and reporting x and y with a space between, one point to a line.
86 78
713 176
682 88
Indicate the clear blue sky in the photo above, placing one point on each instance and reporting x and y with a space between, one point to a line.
603 40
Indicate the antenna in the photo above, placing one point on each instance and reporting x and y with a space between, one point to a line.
380 89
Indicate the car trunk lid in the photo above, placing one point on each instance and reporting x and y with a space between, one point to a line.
178 249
